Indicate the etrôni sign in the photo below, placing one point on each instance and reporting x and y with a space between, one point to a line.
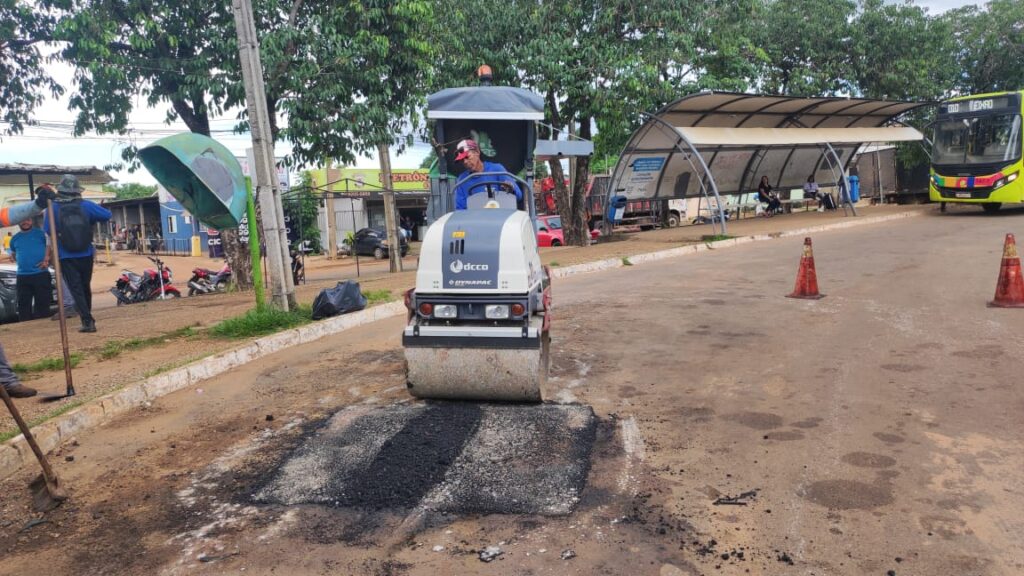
643 172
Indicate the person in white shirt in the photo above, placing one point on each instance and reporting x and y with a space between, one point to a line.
811 191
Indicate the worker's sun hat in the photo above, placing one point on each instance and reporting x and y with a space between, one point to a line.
69 186
464 147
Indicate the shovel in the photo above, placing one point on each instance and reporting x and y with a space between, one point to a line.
60 307
46 491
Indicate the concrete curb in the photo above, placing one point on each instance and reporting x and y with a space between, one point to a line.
15 452
610 263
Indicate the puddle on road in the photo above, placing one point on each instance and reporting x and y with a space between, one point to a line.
442 457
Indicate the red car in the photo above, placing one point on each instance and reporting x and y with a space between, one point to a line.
549 231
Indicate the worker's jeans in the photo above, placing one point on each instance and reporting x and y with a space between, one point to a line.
34 296
77 273
7 376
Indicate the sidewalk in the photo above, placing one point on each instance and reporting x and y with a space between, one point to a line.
95 375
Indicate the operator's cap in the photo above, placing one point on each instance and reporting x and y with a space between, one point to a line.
464 147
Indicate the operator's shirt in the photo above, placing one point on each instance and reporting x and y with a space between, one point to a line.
467 179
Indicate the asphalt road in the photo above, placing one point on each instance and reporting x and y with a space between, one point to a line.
875 431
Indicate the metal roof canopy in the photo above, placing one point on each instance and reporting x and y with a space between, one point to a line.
660 160
18 173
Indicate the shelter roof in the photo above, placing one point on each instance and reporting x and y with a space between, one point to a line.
742 137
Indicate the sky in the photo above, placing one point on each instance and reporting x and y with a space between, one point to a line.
52 143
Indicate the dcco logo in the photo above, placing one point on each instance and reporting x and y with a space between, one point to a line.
458 266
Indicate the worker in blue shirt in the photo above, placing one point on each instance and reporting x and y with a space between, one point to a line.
469 155
75 219
28 249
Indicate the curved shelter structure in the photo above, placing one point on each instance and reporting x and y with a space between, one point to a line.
715 144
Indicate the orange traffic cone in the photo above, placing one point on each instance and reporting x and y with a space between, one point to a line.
1010 286
806 278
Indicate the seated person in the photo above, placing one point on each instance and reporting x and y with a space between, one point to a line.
766 196
469 155
811 191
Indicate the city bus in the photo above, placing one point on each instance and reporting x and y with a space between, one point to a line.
976 151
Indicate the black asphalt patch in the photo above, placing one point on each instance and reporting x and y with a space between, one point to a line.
444 457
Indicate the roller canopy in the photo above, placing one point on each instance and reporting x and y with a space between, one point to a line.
485 103
201 174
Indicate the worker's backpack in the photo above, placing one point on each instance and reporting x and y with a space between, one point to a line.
74 230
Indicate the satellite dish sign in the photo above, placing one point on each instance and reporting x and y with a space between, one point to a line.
201 174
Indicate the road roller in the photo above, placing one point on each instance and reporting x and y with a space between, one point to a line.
479 316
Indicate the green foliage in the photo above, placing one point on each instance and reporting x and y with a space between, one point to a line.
805 46
347 75
989 46
24 82
49 364
258 322
377 297
901 53
626 262
114 348
302 207
130 190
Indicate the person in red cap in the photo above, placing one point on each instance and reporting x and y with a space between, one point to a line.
469 155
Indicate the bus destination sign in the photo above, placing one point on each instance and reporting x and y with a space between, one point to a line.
976 106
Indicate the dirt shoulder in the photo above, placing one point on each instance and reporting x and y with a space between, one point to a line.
95 375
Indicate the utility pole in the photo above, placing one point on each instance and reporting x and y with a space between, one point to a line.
332 224
390 211
267 188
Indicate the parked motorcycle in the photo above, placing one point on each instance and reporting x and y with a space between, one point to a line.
131 288
206 281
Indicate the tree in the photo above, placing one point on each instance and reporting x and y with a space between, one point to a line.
324 63
598 65
901 53
990 46
805 46
24 82
130 190
302 210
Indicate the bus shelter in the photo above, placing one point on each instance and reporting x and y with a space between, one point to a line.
715 144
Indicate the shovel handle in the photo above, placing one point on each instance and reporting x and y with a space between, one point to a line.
47 471
60 300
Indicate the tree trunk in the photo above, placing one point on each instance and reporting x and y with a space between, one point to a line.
237 255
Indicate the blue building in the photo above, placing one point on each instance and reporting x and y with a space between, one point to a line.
178 227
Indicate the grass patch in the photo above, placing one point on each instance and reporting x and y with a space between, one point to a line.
715 237
114 348
260 322
8 434
377 297
626 262
49 364
554 265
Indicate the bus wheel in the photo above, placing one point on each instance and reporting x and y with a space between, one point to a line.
991 207
942 206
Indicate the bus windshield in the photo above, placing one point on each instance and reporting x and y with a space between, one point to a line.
990 139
